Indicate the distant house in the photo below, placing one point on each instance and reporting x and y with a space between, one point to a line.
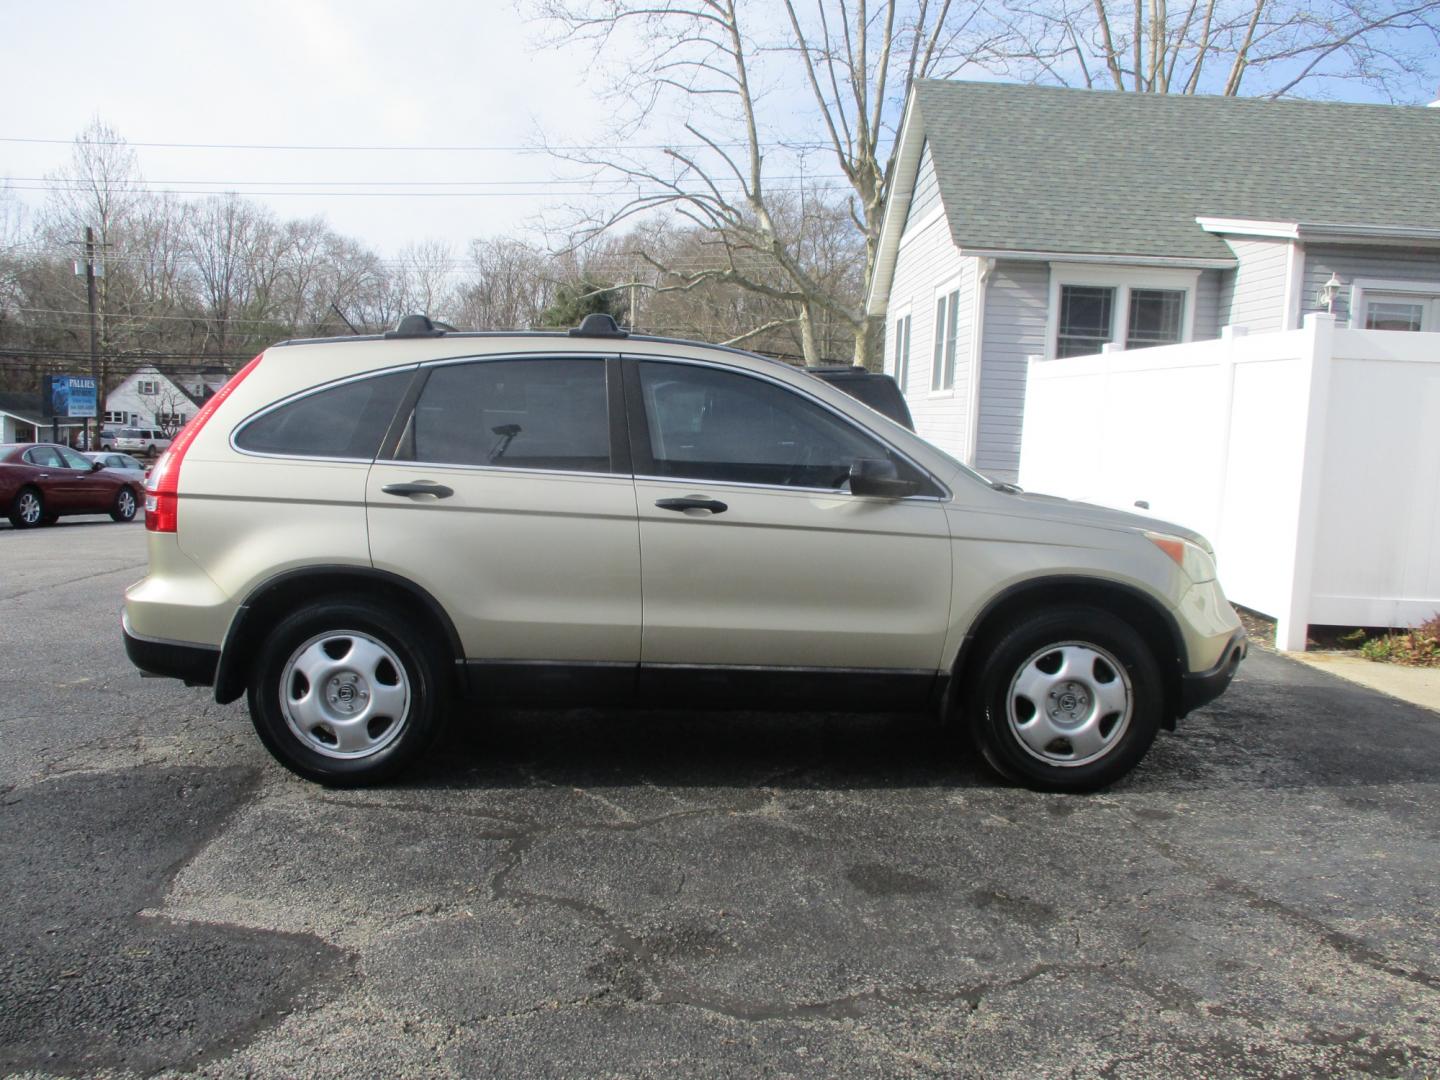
151 398
23 420
1031 221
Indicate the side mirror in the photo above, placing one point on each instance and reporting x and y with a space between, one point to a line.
96 466
879 477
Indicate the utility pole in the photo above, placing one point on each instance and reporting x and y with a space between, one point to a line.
94 334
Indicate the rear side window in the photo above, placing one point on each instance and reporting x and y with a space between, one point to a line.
345 421
516 414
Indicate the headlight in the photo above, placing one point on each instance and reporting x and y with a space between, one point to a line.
1192 558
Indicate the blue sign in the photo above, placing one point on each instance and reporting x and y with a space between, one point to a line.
71 395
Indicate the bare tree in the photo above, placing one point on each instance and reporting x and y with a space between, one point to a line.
1271 48
168 405
711 64
225 241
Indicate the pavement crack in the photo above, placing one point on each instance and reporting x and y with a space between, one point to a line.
1347 945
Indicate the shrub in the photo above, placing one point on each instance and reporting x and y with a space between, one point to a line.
1419 647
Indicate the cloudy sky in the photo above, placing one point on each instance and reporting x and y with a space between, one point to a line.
315 73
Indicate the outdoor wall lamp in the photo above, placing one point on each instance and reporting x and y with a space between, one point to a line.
1328 292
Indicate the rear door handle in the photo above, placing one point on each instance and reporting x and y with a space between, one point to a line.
419 487
692 502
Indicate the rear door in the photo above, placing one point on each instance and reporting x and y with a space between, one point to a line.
507 495
757 558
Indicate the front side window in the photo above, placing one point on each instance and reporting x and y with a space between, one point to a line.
710 424
344 421
516 414
74 460
947 321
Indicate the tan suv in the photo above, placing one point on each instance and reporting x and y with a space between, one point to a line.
360 532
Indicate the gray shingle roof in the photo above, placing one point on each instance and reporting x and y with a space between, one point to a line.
1027 168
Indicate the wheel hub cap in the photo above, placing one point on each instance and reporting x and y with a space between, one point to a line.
345 694
1070 703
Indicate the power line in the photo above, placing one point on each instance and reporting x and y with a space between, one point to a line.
473 148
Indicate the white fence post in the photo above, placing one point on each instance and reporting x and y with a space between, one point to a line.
1293 621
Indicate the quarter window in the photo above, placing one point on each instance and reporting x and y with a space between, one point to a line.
344 421
518 414
708 424
947 320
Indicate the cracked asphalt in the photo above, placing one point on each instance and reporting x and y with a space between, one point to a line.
622 894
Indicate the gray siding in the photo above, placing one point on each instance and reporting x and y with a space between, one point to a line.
1016 307
1253 295
928 260
1350 262
926 195
1207 305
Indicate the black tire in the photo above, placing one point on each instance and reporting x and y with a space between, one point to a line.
126 505
419 666
27 509
1089 638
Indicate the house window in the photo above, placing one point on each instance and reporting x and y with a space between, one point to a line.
1407 313
942 364
902 351
1394 315
117 418
147 387
1135 307
1154 317
1406 306
1087 317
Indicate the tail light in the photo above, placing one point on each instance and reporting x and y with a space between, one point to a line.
162 486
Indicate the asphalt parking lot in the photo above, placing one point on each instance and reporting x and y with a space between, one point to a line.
664 894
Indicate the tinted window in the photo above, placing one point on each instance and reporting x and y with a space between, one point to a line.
708 424
74 460
519 414
46 456
345 421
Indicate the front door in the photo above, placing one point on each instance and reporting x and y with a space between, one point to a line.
758 559
505 501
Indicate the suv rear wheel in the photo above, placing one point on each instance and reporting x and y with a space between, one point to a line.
340 695
1066 700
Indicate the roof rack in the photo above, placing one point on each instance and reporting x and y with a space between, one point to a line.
598 324
418 326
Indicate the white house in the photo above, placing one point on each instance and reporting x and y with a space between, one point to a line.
152 398
1032 221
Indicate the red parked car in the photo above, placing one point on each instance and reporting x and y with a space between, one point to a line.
40 482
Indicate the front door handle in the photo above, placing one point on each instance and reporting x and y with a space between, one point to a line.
692 502
420 487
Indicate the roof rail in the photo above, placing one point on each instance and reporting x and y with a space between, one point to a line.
417 326
598 324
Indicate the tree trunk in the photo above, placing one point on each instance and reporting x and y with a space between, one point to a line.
870 344
808 345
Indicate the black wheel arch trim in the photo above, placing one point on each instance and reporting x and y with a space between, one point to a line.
1172 666
232 672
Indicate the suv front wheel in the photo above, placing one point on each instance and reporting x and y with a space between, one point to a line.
1066 700
340 696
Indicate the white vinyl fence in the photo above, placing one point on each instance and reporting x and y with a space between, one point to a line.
1310 458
